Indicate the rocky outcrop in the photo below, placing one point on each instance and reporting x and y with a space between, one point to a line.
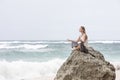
86 66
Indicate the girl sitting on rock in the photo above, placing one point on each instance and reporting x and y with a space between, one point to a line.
83 39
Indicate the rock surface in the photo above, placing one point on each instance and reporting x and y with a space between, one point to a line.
86 66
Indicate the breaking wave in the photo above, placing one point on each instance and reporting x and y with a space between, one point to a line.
104 42
21 70
22 46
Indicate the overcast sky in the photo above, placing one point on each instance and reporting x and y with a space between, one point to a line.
59 19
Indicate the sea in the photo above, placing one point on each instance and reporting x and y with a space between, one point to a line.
40 59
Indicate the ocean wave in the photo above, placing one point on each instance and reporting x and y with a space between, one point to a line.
21 70
33 42
8 42
23 46
116 65
104 42
45 50
57 42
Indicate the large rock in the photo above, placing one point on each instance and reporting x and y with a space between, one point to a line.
86 66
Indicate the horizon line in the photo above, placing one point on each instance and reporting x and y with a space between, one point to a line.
54 40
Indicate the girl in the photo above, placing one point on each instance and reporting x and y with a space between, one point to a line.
82 39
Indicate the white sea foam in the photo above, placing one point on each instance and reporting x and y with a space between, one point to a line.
58 42
37 50
117 67
22 46
33 42
20 70
7 42
104 42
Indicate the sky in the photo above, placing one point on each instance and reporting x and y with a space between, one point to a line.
59 19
